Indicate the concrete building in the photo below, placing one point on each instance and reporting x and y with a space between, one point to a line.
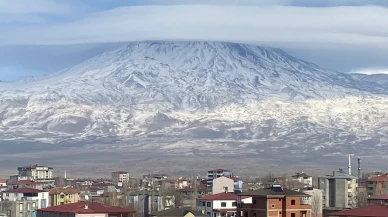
220 205
42 197
120 176
85 209
216 173
226 184
18 208
36 172
147 202
274 201
340 190
377 185
315 199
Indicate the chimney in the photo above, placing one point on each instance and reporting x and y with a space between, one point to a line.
86 206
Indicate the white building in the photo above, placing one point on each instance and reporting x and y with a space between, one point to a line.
220 205
42 197
120 176
314 198
303 178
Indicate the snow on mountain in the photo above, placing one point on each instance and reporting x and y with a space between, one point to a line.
232 97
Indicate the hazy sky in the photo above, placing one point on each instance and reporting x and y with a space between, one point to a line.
343 35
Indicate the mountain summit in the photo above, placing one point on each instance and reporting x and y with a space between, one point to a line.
194 75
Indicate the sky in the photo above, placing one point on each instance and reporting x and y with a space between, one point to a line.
42 36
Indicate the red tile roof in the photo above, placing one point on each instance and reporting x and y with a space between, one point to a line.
379 197
24 190
26 182
221 196
92 207
375 210
3 180
378 179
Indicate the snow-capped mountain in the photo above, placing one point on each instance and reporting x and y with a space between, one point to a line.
235 98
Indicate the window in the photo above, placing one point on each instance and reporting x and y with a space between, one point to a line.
246 214
223 204
33 204
272 205
203 203
293 214
21 207
292 202
254 201
222 214
234 204
214 214
208 204
208 213
254 214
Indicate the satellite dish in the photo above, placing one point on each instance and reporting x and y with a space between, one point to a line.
86 197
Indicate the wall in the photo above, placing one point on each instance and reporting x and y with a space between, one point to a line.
223 182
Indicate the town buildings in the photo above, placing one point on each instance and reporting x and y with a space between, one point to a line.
340 190
18 208
378 199
273 201
120 176
377 185
42 197
220 205
85 209
178 212
216 173
60 196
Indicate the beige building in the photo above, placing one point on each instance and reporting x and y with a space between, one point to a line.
120 176
222 185
36 172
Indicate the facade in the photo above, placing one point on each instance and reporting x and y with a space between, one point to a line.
226 184
18 208
216 173
340 190
40 196
377 185
3 182
315 199
274 201
36 172
220 205
84 209
27 184
303 178
147 202
60 196
120 176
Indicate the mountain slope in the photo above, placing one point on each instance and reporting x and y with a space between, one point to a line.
231 98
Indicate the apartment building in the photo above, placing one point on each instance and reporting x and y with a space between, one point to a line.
120 176
18 208
220 205
340 190
303 178
42 197
36 172
377 185
216 173
274 201
60 196
226 184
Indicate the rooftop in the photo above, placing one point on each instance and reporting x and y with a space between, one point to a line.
273 191
220 196
86 207
26 182
32 167
378 179
24 190
177 212
374 210
379 197
64 190
339 175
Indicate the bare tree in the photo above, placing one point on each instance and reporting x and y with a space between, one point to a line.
316 204
361 197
